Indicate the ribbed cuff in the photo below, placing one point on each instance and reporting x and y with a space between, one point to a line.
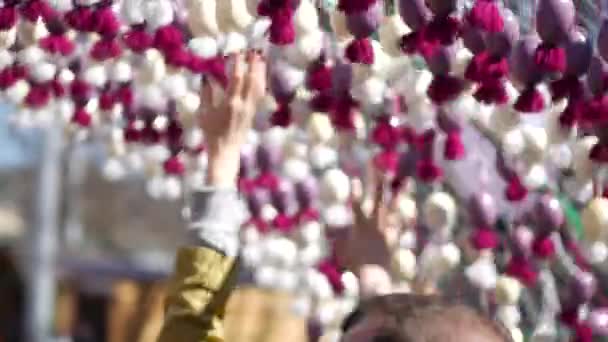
217 215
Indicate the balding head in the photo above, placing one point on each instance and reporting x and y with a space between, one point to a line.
411 318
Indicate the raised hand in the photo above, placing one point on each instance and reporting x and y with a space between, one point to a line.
225 123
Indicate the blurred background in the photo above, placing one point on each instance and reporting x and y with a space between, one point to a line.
114 246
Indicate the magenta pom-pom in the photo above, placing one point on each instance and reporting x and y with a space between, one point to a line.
360 51
8 17
486 15
530 101
138 40
445 88
551 59
454 147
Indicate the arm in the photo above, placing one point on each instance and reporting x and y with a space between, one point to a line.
206 271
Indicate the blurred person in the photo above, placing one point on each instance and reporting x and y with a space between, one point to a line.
206 272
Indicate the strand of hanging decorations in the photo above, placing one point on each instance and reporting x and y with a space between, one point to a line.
398 84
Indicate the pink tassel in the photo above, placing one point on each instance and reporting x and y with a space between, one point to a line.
515 191
178 58
57 88
355 6
543 247
385 134
282 116
599 153
284 223
149 135
521 268
308 215
484 239
568 87
491 92
483 67
38 96
387 161
342 116
550 58
360 51
319 77
454 148
131 133
595 112
105 49
282 29
8 77
37 9
57 45
444 88
174 166
322 102
80 19
427 171
443 30
530 101
416 42
571 115
105 22
267 180
124 95
168 38
82 118
330 269
80 91
137 40
8 17
486 15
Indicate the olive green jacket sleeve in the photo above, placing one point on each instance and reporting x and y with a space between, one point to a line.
205 273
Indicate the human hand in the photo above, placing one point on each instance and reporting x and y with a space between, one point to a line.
225 124
367 250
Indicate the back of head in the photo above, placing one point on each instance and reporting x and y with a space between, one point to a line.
414 318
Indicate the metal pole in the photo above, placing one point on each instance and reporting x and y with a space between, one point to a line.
42 251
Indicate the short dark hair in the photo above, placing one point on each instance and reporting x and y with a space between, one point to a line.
415 317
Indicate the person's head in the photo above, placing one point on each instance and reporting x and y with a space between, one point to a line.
417 318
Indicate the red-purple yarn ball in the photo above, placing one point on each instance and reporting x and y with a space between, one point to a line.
364 24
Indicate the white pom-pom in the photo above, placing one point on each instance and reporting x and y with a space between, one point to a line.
287 280
302 306
320 128
311 255
201 17
337 215
275 137
305 50
327 312
482 273
250 235
233 15
252 255
296 169
508 290
155 187
156 153
175 86
318 284
597 253
8 38
121 72
256 33
408 211
311 232
172 188
268 213
351 284
17 92
322 157
461 61
135 162
335 186
188 104
561 156
503 119
158 13
509 315
132 11
6 58
266 276
113 170
65 76
96 75
296 149
193 138
440 211
404 263
513 143
285 252
390 33
153 68
152 96
582 165
306 18
62 5
536 176
30 56
233 42
536 142
450 255
204 47
370 92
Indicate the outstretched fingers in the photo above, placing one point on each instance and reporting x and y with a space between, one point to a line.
237 77
255 81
